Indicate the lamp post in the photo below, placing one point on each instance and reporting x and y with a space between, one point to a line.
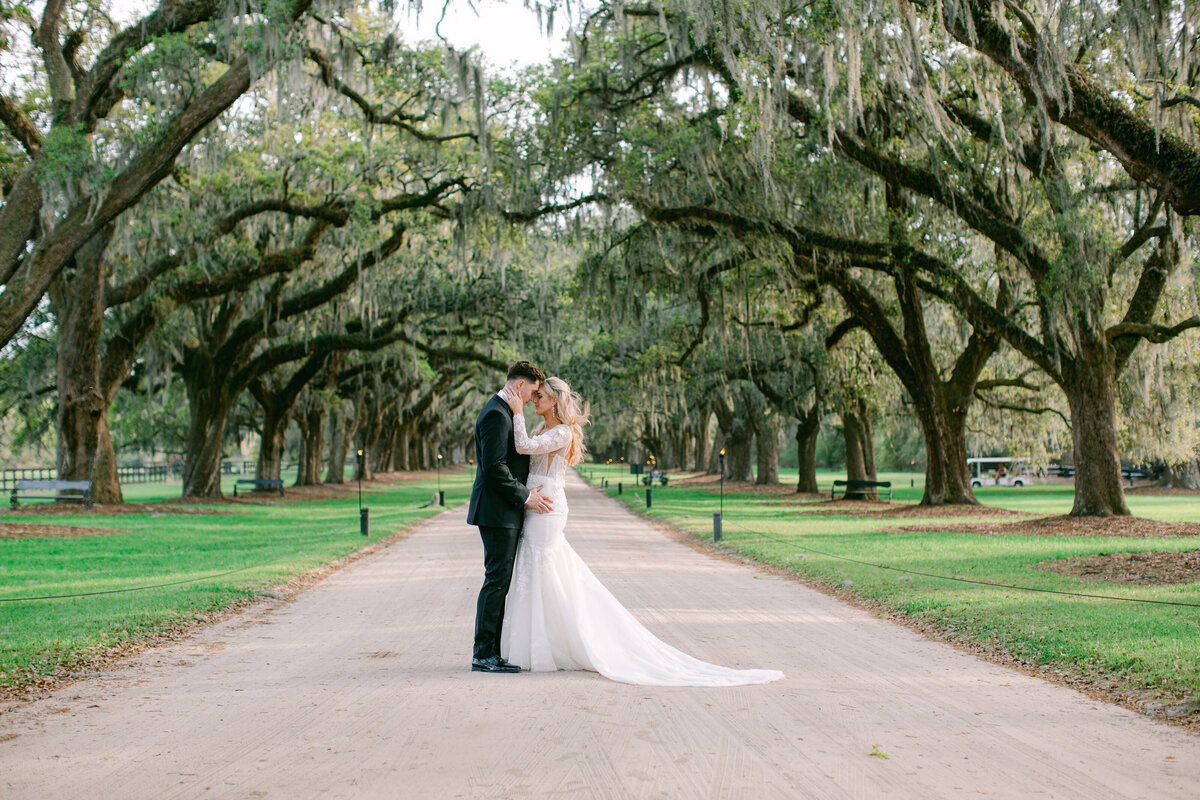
717 517
722 460
364 514
441 496
649 481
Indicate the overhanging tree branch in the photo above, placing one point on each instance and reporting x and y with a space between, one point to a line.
96 95
442 355
1156 157
46 37
1151 333
555 208
88 217
20 126
1014 383
334 213
1181 98
1023 409
394 119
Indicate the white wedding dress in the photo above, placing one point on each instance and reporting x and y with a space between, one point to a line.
559 616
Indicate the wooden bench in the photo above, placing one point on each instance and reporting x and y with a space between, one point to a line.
84 489
259 484
857 487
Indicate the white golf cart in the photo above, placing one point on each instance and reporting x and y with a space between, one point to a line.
1000 471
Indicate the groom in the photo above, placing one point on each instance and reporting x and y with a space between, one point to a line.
498 502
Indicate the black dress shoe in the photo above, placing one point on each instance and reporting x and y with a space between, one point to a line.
493 664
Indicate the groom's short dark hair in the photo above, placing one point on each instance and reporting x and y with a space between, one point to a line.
526 370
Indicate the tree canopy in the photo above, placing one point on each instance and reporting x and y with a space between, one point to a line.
714 219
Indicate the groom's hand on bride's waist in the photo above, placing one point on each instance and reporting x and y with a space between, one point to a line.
539 502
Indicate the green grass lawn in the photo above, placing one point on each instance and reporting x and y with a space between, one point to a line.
257 545
1139 646
1134 646
150 492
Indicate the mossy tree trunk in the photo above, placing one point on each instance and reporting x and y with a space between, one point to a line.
737 440
702 441
336 470
1090 385
312 441
807 433
766 446
859 456
85 445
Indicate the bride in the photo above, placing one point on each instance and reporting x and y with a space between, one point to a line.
557 614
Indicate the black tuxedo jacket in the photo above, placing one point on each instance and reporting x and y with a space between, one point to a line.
498 497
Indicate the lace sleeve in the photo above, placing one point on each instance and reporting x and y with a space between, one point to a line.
551 441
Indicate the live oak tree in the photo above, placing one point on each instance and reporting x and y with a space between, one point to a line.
277 392
895 314
236 185
854 394
312 414
1087 293
1077 245
992 145
787 361
693 352
430 308
122 105
684 165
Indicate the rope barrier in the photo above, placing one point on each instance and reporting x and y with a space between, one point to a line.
139 588
951 578
129 589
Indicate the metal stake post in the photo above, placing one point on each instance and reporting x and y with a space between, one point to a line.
718 516
364 514
441 496
722 454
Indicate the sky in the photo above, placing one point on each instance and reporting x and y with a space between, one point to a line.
506 31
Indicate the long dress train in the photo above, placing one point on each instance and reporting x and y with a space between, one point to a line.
559 616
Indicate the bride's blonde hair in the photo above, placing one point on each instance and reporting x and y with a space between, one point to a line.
571 411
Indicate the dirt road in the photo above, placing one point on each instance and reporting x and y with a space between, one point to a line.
359 688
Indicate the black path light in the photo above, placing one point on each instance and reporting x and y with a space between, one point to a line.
364 514
719 514
649 480
722 481
441 494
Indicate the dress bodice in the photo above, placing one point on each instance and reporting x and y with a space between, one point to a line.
547 451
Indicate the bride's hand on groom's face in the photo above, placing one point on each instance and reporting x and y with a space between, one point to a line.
514 400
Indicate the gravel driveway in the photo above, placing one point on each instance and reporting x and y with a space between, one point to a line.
360 688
